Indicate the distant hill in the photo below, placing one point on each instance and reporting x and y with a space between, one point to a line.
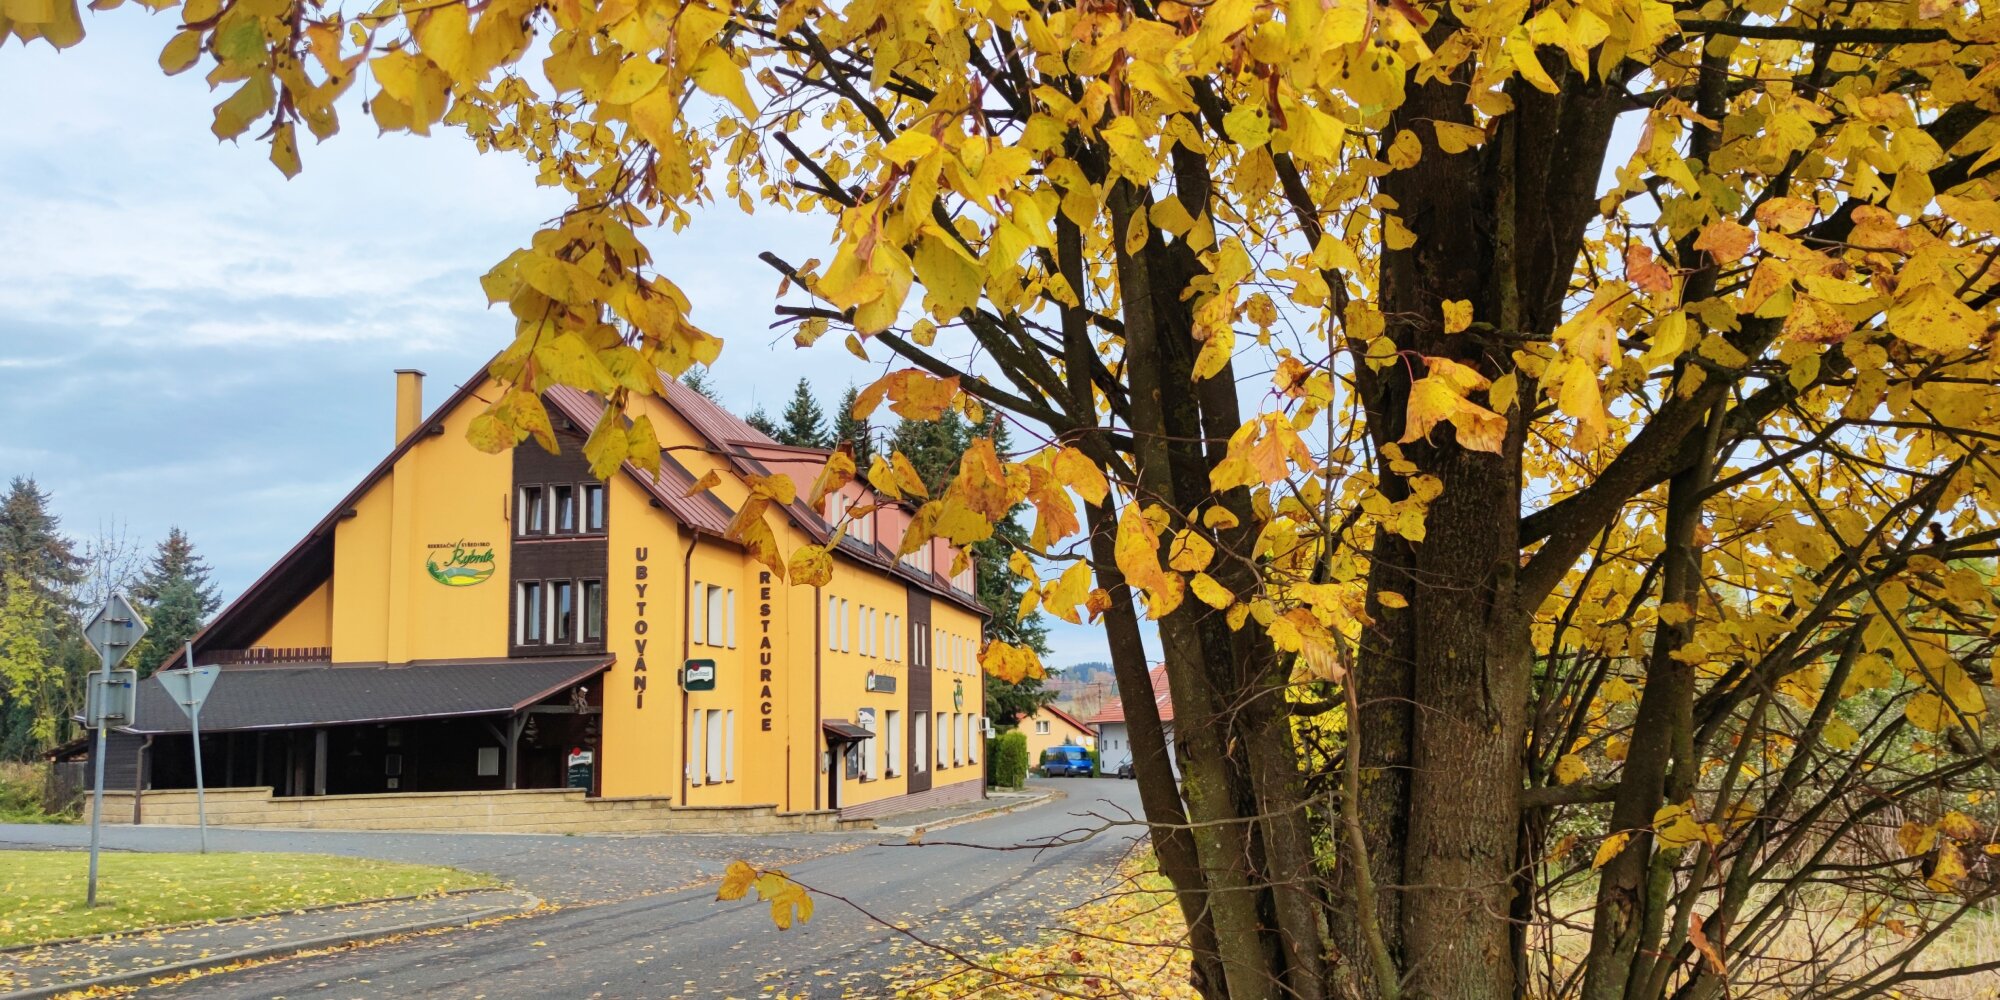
1080 673
1082 689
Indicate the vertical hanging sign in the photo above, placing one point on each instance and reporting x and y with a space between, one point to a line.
764 651
639 628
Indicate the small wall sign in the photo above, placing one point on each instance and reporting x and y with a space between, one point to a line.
879 683
460 563
698 675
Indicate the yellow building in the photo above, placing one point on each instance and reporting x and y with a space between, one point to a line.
1050 726
463 620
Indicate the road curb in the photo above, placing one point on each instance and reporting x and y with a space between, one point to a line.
1047 796
525 902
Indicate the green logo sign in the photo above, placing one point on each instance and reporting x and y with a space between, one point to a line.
958 695
698 675
460 564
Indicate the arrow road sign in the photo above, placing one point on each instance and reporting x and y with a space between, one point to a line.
114 630
189 688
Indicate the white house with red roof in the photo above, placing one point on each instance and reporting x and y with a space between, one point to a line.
1114 738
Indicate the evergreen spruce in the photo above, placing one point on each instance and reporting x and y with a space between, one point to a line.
852 431
934 448
804 423
176 596
697 379
33 549
175 561
763 422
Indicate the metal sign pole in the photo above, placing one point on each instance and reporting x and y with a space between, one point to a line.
105 653
113 631
200 789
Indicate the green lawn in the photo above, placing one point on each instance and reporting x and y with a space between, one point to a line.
41 892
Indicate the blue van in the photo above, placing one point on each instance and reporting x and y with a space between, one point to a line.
1067 760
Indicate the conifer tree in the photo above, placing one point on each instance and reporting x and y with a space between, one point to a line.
852 430
33 548
175 561
697 379
804 422
763 422
176 596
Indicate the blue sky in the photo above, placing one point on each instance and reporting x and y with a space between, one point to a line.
188 338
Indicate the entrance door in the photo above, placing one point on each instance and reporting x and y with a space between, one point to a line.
833 766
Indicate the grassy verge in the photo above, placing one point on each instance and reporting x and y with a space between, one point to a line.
41 892
1128 944
1131 944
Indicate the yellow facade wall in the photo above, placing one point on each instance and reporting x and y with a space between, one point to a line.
1060 732
958 692
641 748
387 605
844 674
776 678
309 624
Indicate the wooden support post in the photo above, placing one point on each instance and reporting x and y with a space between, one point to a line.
515 724
319 762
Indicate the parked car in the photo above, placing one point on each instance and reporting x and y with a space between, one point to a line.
1067 760
1125 770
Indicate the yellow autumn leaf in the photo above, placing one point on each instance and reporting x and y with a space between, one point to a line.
1457 315
737 877
1610 848
1571 769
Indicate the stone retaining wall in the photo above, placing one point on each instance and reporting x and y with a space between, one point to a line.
552 810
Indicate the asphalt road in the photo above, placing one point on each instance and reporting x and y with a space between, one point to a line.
627 926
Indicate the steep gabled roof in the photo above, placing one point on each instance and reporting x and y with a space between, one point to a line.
751 452
302 568
1071 719
704 512
308 563
1114 710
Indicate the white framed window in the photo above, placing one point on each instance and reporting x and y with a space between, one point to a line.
530 511
833 623
593 507
957 739
529 616
729 617
1041 727
846 627
893 639
871 766
563 498
694 747
920 731
593 611
718 617
729 745
861 624
975 737
714 756
562 611
697 604
943 739
892 743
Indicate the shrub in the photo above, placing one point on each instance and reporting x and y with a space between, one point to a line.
1009 754
21 794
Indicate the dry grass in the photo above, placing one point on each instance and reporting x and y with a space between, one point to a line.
1130 945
